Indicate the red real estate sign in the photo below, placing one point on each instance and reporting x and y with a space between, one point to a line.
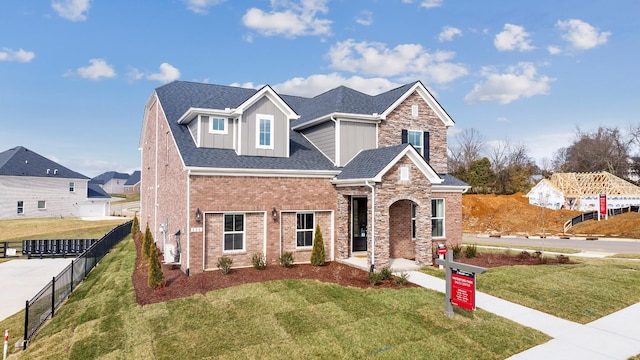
603 204
463 289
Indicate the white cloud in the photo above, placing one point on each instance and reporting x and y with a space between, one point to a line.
295 19
430 4
502 119
97 70
365 18
406 61
19 55
135 74
521 81
581 35
554 50
513 37
317 84
200 6
167 73
74 10
448 33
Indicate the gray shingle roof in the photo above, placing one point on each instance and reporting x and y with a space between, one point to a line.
107 176
20 161
133 179
450 180
94 191
367 164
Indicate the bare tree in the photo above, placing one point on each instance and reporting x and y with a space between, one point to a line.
469 147
602 150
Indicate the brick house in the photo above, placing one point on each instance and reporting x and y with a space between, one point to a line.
229 171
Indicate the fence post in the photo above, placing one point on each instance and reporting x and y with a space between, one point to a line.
71 277
53 296
26 325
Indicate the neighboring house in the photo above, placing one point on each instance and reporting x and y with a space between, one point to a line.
229 171
581 191
32 186
112 182
132 186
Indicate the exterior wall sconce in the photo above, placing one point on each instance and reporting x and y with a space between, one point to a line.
274 214
198 215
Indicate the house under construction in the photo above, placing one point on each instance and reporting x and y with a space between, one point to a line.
581 191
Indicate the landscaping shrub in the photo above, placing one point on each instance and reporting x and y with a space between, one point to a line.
155 278
375 278
259 261
386 273
224 264
286 259
563 259
317 252
402 279
524 255
537 254
148 239
135 225
456 249
471 251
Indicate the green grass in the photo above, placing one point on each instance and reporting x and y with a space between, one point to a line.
582 292
55 228
279 319
501 247
625 256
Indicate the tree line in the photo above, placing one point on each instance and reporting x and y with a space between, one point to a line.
507 168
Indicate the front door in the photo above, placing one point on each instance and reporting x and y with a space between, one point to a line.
359 224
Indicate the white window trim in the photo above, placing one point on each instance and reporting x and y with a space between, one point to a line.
421 149
42 208
214 131
271 128
313 230
414 218
444 216
243 232
20 209
72 186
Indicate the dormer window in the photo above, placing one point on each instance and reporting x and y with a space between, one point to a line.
264 131
217 125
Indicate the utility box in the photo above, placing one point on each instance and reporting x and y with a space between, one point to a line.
169 254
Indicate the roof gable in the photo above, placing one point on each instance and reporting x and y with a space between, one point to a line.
108 176
133 179
20 161
428 98
372 165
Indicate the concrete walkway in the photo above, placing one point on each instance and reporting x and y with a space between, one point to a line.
616 336
22 279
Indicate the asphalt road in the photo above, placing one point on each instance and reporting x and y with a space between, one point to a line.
604 245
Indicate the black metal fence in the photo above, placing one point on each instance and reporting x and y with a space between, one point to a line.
43 306
594 215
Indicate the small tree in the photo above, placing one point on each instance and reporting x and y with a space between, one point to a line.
155 278
317 252
135 224
148 239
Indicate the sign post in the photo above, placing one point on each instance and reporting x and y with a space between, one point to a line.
442 251
460 284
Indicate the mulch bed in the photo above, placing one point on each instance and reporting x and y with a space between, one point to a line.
179 285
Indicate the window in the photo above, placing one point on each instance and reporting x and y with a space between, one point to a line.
415 139
264 132
233 232
20 208
217 125
437 218
72 187
42 204
304 230
413 221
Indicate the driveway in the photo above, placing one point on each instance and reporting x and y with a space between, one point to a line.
25 278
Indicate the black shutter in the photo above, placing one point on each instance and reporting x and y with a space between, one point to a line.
425 143
405 136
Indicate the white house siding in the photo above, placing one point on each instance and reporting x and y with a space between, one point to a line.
114 186
592 203
543 194
93 208
54 191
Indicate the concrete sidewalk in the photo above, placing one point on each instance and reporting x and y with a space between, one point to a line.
22 279
616 336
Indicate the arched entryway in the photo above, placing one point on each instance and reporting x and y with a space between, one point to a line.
402 229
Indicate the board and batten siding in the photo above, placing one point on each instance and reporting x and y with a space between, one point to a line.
280 130
355 137
60 202
218 141
323 136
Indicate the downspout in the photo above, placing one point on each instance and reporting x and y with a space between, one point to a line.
188 229
373 224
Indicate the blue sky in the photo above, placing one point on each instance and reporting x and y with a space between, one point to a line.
75 74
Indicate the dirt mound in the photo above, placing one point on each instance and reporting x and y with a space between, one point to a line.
510 214
513 215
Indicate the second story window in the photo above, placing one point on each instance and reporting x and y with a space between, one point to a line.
217 125
72 187
415 139
264 132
